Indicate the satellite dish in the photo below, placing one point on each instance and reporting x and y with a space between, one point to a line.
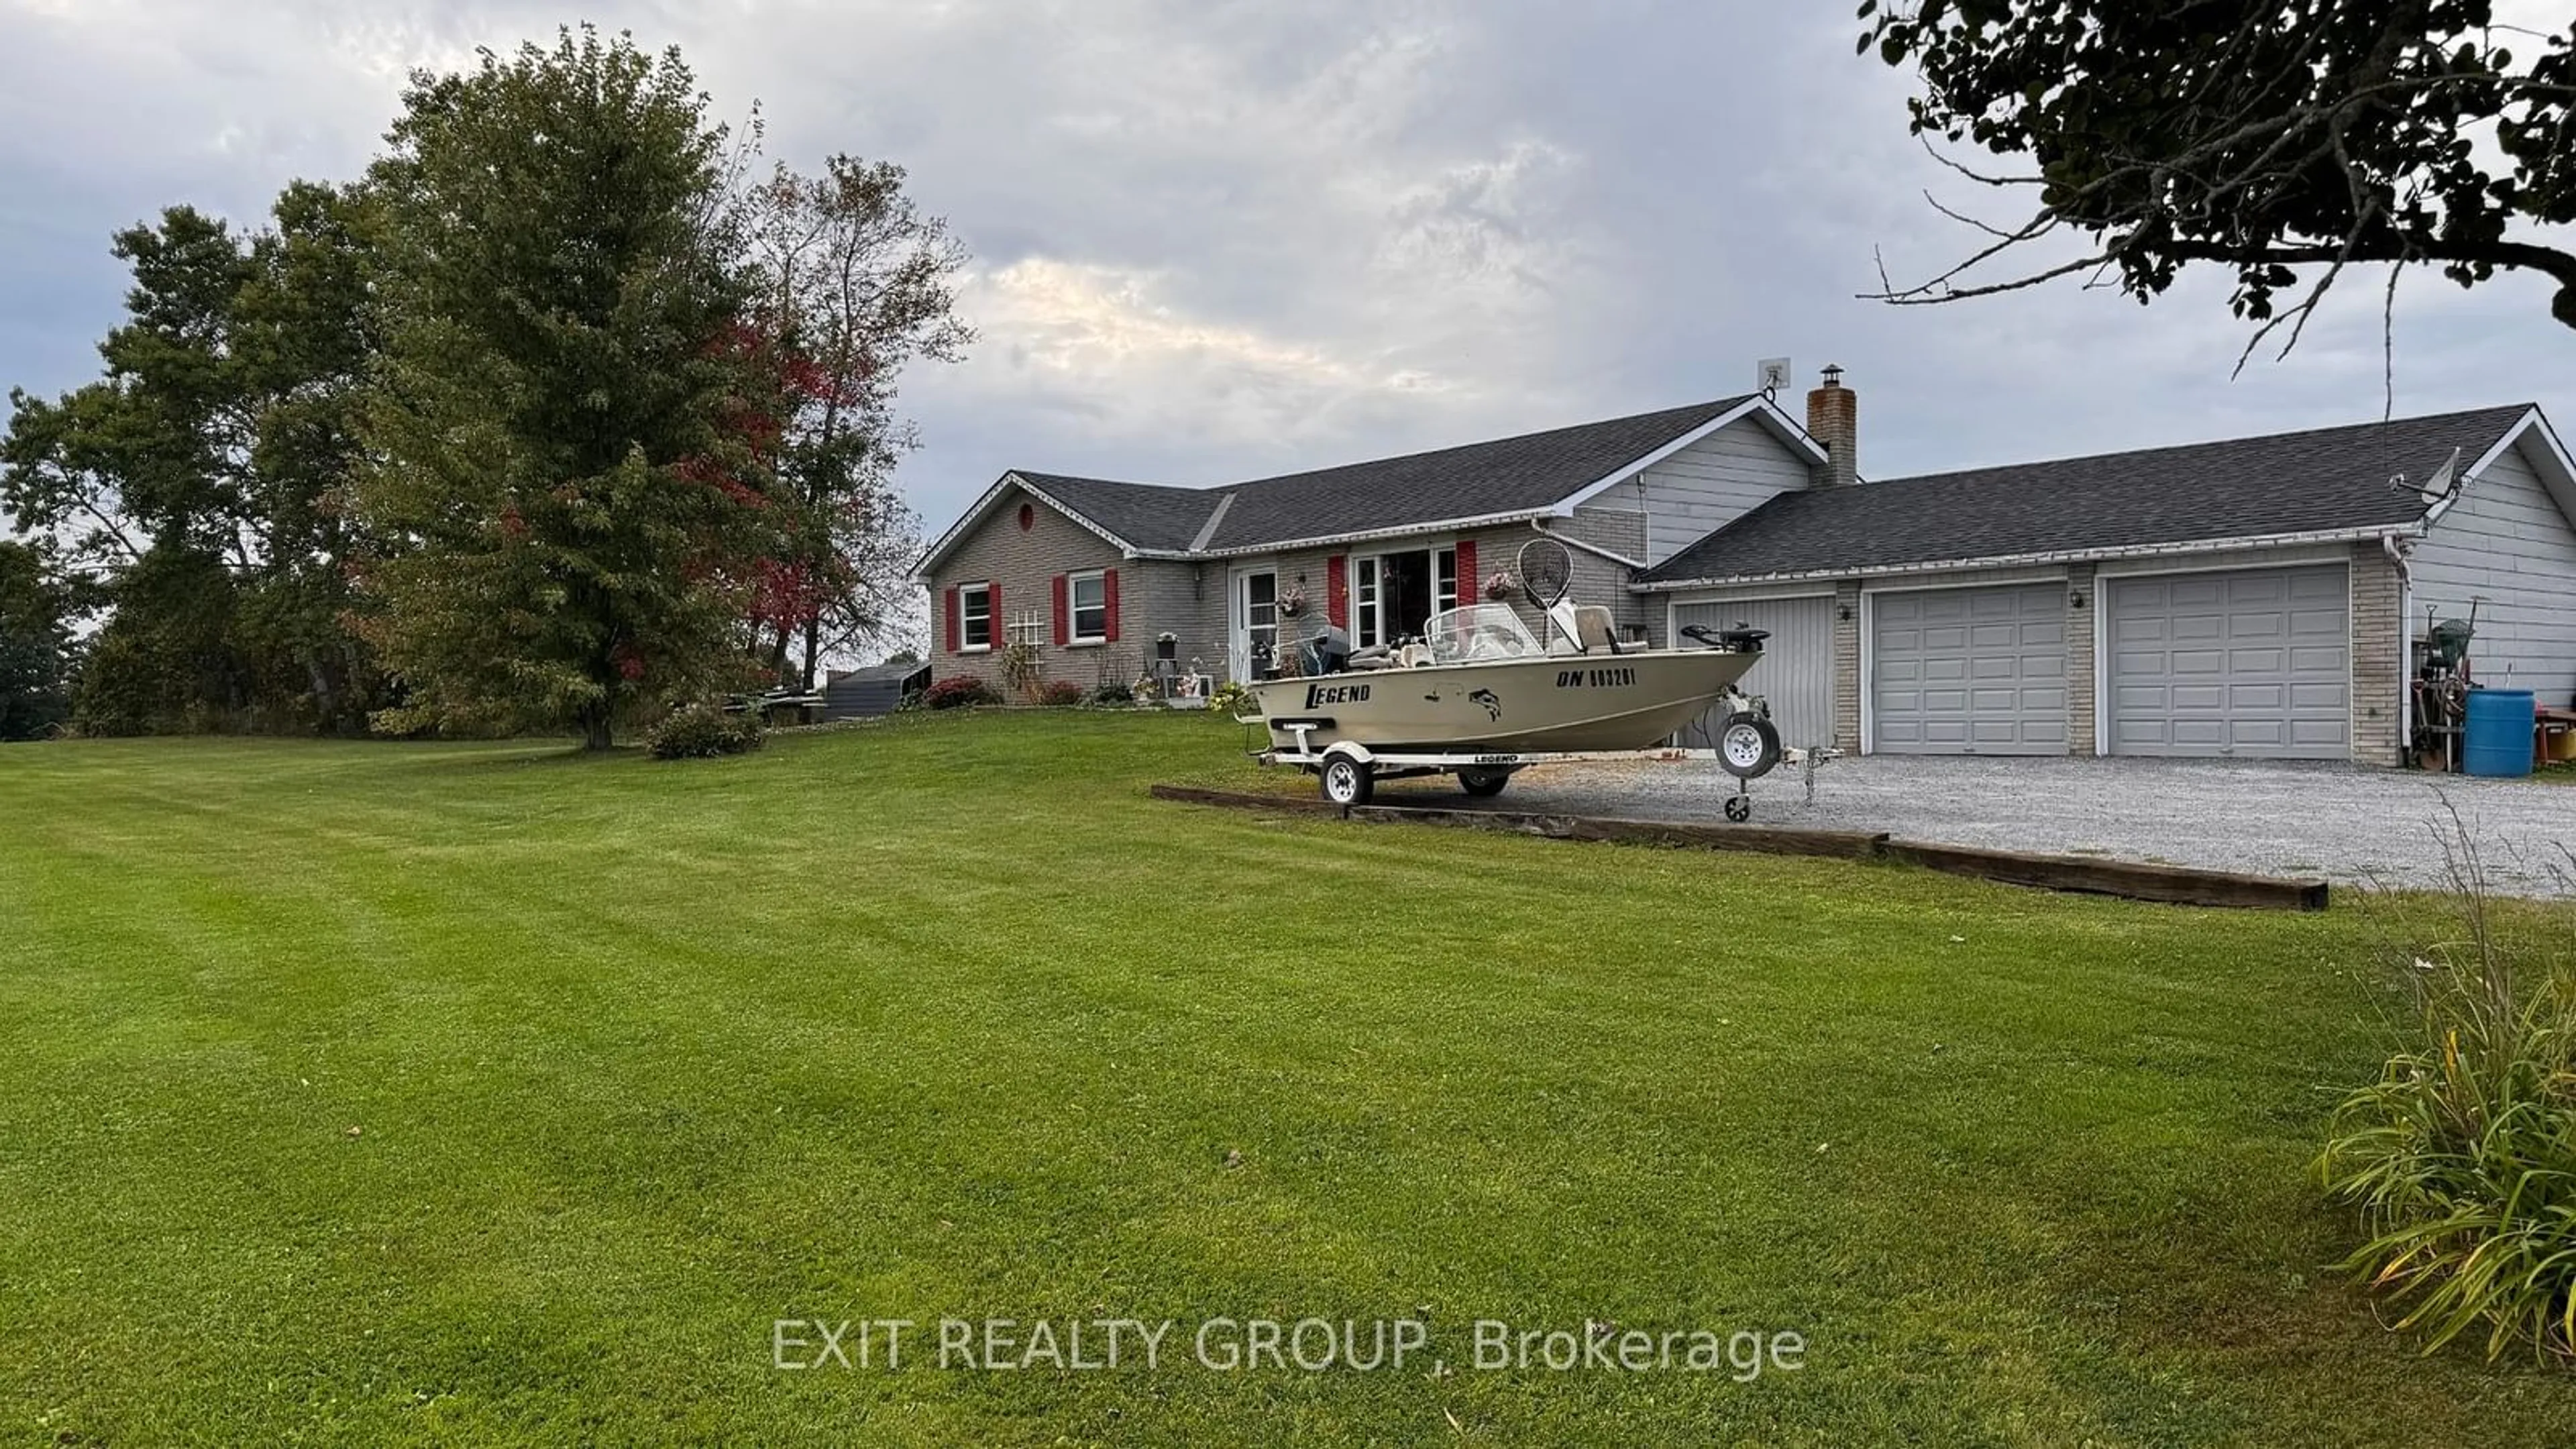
2444 481
1771 376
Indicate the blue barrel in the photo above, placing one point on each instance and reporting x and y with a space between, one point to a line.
2497 741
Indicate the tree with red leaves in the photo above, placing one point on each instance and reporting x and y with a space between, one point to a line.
855 283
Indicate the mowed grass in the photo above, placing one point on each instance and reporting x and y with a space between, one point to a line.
946 1018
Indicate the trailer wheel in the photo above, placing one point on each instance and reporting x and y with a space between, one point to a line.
1347 782
1747 746
1484 784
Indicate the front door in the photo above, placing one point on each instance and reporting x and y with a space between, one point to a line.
1256 622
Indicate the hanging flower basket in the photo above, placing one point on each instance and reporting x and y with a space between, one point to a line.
1502 586
1291 604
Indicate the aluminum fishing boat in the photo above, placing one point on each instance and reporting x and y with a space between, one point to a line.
1480 697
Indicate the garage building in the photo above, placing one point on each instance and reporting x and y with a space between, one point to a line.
2255 598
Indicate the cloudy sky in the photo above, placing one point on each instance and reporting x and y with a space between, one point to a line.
1216 239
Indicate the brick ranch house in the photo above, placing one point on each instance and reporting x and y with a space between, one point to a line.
2257 597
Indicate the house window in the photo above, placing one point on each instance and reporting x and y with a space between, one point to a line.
975 616
1089 594
1394 595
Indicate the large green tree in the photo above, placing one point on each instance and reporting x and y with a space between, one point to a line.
216 448
33 643
572 420
2281 140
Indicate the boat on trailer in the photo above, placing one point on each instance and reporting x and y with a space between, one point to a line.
1480 697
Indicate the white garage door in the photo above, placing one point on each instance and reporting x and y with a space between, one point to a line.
1797 670
2254 663
1969 671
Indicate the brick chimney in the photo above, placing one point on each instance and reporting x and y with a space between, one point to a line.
1833 419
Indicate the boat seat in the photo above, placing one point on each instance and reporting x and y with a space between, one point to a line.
1581 629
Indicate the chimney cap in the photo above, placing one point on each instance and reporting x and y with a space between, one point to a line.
1833 374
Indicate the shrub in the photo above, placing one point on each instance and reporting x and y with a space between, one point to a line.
1060 692
959 691
700 731
1233 699
2462 1156
1114 694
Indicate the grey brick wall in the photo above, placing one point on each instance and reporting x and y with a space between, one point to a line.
1847 665
2376 676
1192 600
1597 580
1025 562
1186 600
2080 680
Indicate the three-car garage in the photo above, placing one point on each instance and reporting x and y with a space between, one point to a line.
2264 598
2139 659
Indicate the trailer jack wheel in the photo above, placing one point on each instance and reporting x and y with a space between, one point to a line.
1739 808
1347 782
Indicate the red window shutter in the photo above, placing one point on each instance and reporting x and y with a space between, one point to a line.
1471 587
1337 591
956 628
993 636
1063 626
1109 603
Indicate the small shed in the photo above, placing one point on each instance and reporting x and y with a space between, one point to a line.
875 690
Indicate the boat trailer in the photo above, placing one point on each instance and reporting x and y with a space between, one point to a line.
1349 772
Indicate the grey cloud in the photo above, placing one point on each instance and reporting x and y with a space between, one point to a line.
1215 240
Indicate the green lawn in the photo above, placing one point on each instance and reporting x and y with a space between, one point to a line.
945 1018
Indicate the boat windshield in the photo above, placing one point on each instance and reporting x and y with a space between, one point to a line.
1479 632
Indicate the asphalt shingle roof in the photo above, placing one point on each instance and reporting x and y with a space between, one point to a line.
1526 474
1509 475
2285 483
1148 515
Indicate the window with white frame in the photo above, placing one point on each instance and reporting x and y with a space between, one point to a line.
1088 596
1393 595
975 616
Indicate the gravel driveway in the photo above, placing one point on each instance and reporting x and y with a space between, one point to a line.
2346 824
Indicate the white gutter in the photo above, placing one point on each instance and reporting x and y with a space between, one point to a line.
2051 556
2397 554
1403 530
1539 526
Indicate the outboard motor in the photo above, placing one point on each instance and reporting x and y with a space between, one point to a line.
1329 651
1739 640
